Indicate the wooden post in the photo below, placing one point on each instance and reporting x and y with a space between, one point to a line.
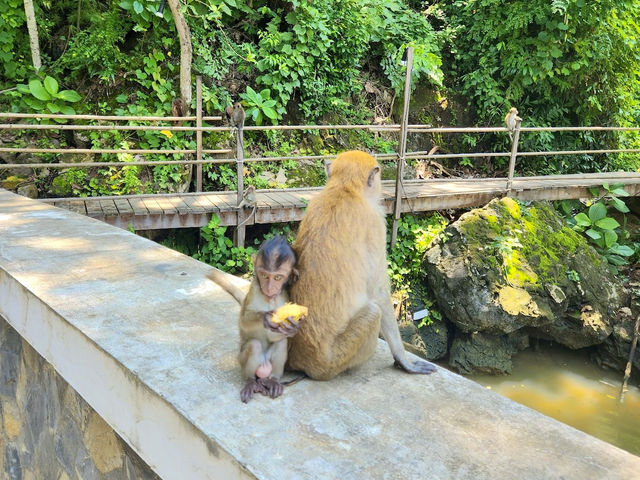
403 145
199 132
514 153
240 229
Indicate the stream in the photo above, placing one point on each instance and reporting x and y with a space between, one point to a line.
568 386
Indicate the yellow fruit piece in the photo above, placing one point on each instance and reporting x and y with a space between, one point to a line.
291 311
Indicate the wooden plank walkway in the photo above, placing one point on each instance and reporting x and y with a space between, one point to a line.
189 210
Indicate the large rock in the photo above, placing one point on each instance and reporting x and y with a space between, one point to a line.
479 353
506 267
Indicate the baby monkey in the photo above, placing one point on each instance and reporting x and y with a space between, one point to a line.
263 343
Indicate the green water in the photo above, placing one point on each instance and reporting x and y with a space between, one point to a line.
567 386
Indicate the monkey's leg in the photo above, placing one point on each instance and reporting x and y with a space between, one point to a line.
277 354
344 351
253 361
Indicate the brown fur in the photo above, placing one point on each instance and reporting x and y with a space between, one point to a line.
341 250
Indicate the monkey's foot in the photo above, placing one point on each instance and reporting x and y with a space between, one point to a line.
419 366
251 387
273 388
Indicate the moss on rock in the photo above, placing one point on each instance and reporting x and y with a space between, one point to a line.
510 266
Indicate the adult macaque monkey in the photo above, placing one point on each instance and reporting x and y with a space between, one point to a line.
263 344
511 120
343 280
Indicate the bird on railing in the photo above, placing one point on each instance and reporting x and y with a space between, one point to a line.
511 120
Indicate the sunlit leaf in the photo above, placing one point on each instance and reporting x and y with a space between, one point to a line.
38 91
610 238
51 85
607 223
593 234
623 250
69 95
597 211
620 205
582 220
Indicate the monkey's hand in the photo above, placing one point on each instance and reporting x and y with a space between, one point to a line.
287 328
419 366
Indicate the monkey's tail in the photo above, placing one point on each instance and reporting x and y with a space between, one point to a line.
248 217
295 380
222 279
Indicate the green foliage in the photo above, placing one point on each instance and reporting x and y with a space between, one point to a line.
144 11
320 46
45 97
97 51
562 63
260 105
414 237
13 54
596 222
415 234
218 250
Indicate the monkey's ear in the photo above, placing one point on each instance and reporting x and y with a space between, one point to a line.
293 278
372 176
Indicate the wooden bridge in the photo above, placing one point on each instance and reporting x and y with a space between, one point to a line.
148 212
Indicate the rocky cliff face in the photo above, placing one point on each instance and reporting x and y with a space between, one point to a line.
507 272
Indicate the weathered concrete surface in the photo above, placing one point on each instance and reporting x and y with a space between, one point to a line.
150 344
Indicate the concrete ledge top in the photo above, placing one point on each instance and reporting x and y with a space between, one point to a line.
151 344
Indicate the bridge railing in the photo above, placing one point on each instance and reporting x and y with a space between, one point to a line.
199 124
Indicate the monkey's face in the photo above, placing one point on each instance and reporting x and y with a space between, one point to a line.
272 282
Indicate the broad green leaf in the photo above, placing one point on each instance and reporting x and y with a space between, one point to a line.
582 219
69 95
593 234
597 211
610 238
620 205
616 260
270 112
620 192
34 103
137 7
67 110
22 88
51 85
594 191
38 91
623 250
53 108
556 52
126 4
607 223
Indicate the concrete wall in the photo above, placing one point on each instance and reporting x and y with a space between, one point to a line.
150 344
47 431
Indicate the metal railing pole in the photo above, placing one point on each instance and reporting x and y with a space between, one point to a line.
240 229
199 132
514 153
403 145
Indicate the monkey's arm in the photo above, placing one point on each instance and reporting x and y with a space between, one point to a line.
288 328
391 334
